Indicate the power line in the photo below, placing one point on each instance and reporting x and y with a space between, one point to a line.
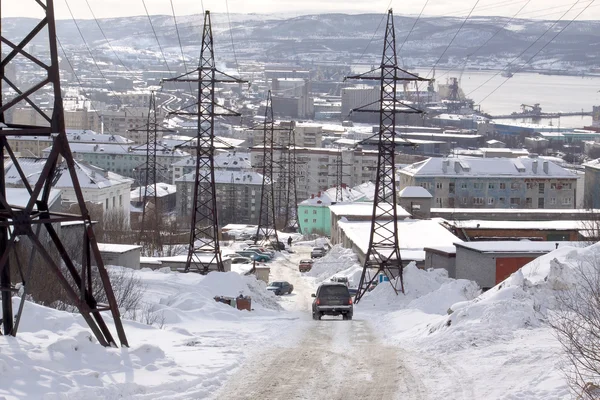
524 51
489 39
156 36
180 47
231 35
540 50
454 37
413 27
106 38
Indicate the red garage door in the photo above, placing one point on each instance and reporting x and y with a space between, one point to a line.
506 266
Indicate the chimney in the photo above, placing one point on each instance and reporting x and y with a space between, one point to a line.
534 166
445 164
545 167
456 167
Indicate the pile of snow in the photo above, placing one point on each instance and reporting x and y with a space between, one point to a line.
338 261
522 301
430 291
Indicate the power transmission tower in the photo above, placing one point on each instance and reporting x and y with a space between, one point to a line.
291 199
383 254
150 236
266 219
339 175
17 222
232 201
203 248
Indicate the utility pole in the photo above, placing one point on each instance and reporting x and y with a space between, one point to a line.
339 175
150 236
16 222
383 254
204 248
266 219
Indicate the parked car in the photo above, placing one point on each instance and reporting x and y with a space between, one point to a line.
261 249
280 287
317 252
254 255
240 260
341 279
305 265
332 298
278 245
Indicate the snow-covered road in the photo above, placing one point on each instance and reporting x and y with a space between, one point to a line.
334 360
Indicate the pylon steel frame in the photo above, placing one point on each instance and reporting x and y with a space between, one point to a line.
18 221
291 194
383 254
266 228
149 178
204 248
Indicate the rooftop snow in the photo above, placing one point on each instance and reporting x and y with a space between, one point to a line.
18 197
415 192
361 209
117 248
509 246
162 190
487 167
534 225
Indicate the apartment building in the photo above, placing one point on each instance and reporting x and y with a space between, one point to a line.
238 196
229 161
591 197
35 145
493 182
124 159
316 167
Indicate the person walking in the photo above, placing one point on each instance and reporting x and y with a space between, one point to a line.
290 241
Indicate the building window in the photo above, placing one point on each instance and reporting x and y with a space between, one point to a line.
451 187
451 202
529 185
515 186
463 200
463 185
107 204
501 200
490 201
439 185
476 185
306 220
541 202
528 202
491 186
553 186
314 211
503 186
314 220
515 201
305 211
552 201
438 201
114 202
568 186
541 189
567 201
478 201
120 200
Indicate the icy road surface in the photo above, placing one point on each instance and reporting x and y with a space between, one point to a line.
335 360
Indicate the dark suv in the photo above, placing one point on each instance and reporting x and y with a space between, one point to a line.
332 298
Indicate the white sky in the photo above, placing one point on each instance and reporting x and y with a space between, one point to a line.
537 9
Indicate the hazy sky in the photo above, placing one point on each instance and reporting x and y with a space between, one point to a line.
538 9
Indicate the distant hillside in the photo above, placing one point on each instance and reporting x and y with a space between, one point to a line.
342 38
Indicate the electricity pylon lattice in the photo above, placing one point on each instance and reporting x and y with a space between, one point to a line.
150 173
339 175
203 248
383 254
266 220
291 194
78 277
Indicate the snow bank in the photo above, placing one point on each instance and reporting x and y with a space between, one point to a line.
430 291
521 301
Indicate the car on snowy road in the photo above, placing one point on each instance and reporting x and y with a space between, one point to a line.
280 287
254 255
317 252
305 265
332 298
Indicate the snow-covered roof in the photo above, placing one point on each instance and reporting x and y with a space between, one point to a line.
224 176
162 190
117 248
110 148
224 160
361 209
510 225
18 197
415 192
367 189
327 197
513 246
487 167
412 234
594 164
82 136
88 175
515 211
